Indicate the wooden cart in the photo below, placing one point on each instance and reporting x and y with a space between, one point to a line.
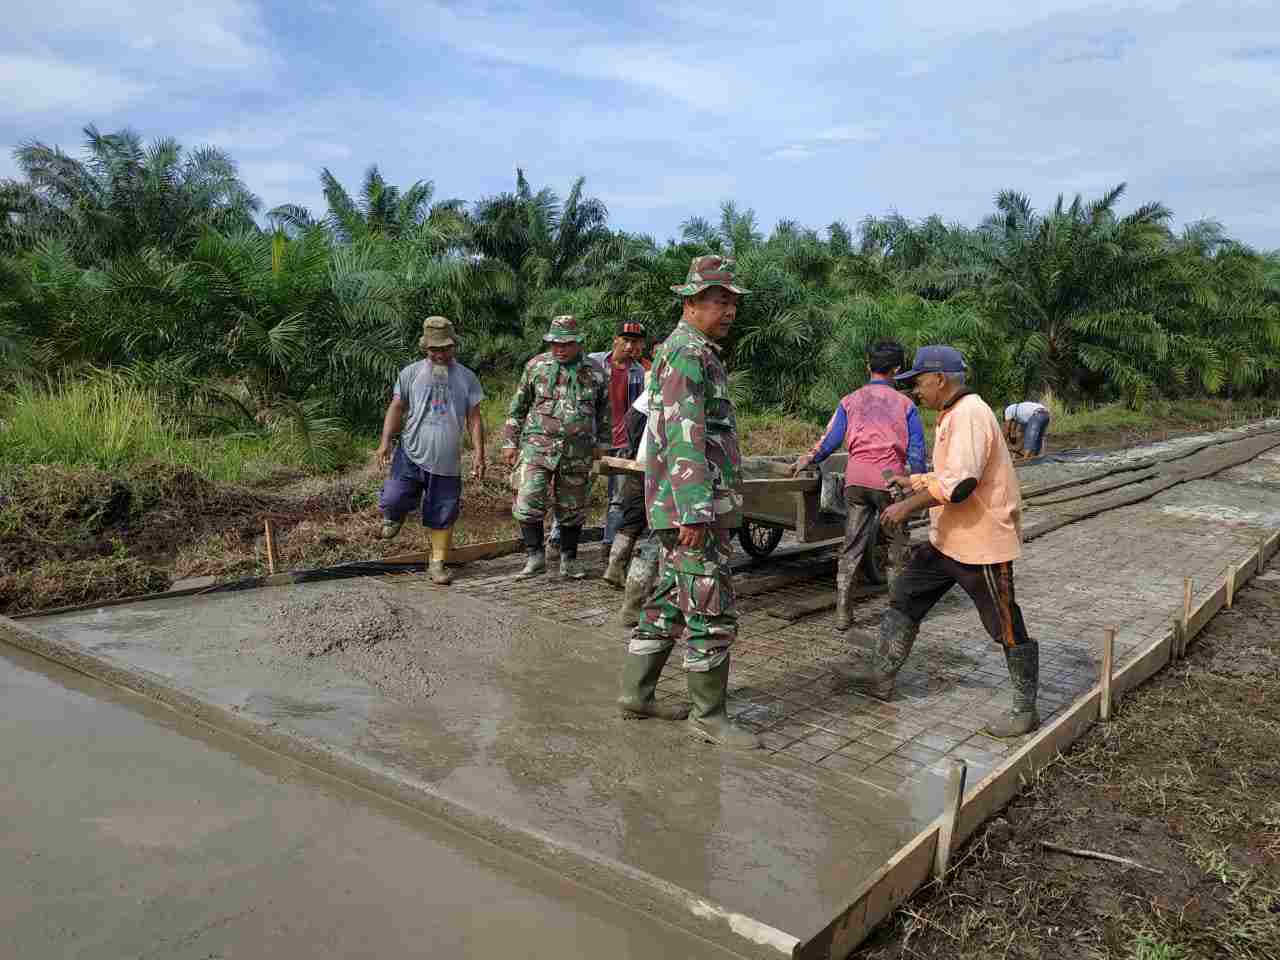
773 502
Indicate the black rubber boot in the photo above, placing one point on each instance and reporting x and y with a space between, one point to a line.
845 577
708 720
570 566
1024 670
536 562
876 675
640 673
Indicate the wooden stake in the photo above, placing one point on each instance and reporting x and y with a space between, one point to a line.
1175 640
1186 616
271 546
952 796
1108 659
1262 553
1231 583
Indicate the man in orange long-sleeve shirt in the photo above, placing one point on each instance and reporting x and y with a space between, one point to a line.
975 534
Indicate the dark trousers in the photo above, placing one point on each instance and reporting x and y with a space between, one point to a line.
1033 432
407 484
632 515
862 511
931 573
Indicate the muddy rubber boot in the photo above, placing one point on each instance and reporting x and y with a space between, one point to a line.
844 595
875 675
441 541
1024 670
390 528
640 578
570 565
708 720
615 574
536 561
640 675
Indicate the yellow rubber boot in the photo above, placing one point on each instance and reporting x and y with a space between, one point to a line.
441 541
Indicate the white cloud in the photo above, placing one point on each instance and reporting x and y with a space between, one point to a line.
227 34
568 44
36 85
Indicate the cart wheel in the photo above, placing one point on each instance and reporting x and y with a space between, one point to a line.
758 539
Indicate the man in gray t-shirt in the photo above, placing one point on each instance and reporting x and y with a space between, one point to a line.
434 400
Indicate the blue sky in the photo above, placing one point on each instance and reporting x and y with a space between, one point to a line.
815 111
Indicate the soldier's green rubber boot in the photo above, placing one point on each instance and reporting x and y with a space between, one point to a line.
1024 670
535 553
875 675
640 674
708 720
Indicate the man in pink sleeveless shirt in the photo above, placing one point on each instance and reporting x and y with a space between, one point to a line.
880 429
975 534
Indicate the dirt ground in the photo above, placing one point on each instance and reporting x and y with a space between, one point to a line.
1184 780
71 536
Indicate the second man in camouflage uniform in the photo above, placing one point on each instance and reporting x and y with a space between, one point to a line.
558 422
692 493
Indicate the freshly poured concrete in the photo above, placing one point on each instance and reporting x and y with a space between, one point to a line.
129 831
522 732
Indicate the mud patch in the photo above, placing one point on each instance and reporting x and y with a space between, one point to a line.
364 633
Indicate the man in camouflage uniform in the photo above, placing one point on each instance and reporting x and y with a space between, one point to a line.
558 422
692 493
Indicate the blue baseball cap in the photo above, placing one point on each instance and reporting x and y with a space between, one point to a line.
937 358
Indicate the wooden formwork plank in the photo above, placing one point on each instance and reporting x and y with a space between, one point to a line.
878 896
1205 611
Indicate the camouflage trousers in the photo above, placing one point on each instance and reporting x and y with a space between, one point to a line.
693 595
535 485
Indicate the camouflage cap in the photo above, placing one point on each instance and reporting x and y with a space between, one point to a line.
564 329
437 332
706 271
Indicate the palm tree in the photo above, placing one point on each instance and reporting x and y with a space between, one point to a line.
735 234
123 196
382 210
1076 288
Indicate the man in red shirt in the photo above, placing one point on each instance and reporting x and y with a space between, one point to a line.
624 369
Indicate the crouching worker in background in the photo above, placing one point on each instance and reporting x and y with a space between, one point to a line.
433 401
1025 425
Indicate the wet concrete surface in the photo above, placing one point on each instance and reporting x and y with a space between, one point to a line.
129 831
521 730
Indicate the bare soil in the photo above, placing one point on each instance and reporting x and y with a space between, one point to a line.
76 535
1184 780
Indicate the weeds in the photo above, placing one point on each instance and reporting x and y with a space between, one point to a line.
1147 946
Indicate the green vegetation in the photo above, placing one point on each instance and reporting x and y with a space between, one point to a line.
283 329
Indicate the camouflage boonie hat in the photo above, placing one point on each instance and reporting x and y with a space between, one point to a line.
711 270
564 330
437 332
